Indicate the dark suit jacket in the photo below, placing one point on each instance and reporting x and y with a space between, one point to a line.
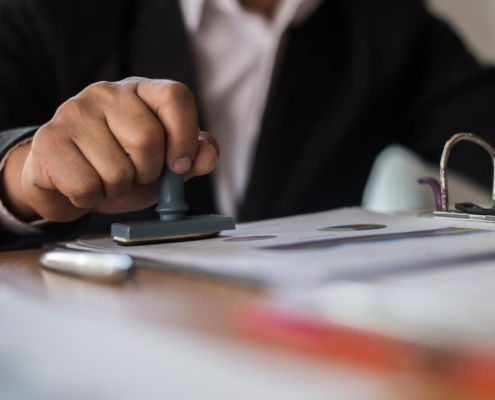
356 76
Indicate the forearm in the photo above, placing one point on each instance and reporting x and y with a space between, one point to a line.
10 185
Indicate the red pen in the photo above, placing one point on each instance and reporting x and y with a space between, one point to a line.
469 372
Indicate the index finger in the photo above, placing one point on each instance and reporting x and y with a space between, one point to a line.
173 103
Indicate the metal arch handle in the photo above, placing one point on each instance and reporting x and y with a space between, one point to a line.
445 156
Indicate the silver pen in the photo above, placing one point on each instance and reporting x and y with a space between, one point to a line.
94 265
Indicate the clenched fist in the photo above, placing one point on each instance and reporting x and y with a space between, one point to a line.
104 150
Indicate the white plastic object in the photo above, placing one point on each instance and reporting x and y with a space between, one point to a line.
106 266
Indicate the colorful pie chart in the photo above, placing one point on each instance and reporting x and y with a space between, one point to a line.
353 227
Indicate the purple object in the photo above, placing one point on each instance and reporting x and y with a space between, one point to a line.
435 186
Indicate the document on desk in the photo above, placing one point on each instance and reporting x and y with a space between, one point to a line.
308 249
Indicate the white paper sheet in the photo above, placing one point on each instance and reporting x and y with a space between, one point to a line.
309 255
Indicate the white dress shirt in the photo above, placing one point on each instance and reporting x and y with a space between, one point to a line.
234 52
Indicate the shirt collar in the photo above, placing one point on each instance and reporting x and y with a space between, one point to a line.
299 10
192 11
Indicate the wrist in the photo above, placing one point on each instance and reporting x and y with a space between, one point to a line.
10 185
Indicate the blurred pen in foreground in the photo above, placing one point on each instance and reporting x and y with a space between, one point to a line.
385 329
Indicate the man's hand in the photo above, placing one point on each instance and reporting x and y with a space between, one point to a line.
104 150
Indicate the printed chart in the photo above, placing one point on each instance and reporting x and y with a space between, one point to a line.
334 242
353 227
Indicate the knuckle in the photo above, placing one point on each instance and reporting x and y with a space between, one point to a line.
86 194
45 137
177 93
148 139
102 86
122 175
119 181
69 111
131 80
149 175
109 91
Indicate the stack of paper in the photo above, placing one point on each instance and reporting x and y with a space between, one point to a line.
309 249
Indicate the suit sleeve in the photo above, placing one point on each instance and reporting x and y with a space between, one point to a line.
29 86
451 92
